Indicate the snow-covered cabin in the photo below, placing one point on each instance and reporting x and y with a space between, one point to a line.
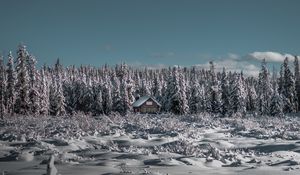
146 104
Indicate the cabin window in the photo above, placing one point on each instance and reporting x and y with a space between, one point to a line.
149 103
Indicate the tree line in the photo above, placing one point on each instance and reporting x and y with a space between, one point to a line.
57 90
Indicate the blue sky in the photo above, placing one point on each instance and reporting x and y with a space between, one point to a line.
149 32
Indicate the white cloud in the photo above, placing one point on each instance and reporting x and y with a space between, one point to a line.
233 65
233 62
270 56
233 56
249 63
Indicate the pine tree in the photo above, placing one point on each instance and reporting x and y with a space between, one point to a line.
289 91
11 79
213 91
34 96
44 93
130 89
157 88
297 81
194 101
97 101
163 77
22 85
238 95
116 96
70 88
225 102
90 97
276 104
60 110
167 92
2 88
125 103
52 97
144 90
56 95
137 83
251 98
106 96
274 79
264 90
206 96
183 92
178 103
174 105
281 80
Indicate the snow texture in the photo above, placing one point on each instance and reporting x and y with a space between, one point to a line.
151 144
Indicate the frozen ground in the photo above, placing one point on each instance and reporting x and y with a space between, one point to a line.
150 144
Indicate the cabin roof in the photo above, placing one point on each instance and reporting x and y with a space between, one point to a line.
142 100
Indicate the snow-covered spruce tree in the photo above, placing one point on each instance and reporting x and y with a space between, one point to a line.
231 91
71 96
202 94
34 96
79 92
106 96
274 80
52 95
60 110
187 77
130 88
238 95
251 97
167 92
157 87
297 80
281 80
10 88
289 91
137 84
57 99
276 106
206 95
225 102
22 84
2 88
116 96
97 106
144 90
177 102
162 77
243 94
44 93
121 71
94 84
90 97
213 90
183 93
194 100
174 96
264 90
124 101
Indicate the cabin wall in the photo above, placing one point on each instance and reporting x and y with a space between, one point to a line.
148 108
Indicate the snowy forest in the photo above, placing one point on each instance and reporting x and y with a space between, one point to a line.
58 90
79 119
